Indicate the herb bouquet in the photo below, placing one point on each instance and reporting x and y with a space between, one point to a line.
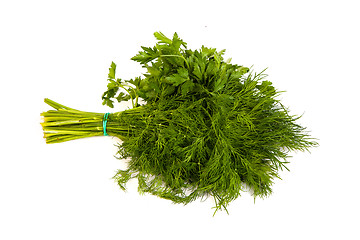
207 127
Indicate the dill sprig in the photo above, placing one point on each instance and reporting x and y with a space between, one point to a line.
208 128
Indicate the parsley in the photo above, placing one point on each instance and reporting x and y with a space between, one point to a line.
208 127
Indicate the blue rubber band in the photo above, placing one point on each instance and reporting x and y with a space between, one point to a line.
106 115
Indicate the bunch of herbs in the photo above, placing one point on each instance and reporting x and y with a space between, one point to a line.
207 128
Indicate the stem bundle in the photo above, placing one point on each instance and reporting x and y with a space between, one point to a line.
65 124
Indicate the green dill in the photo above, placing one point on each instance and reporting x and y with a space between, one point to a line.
207 128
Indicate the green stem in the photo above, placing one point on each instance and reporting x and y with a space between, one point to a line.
65 124
180 56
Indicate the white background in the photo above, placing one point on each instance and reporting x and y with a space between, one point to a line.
63 49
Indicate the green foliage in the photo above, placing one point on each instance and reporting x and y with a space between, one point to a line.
207 128
210 128
114 86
